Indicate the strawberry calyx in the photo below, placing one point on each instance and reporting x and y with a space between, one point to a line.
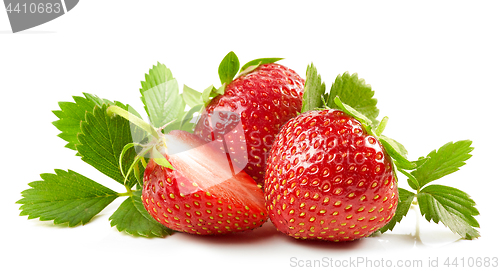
393 148
230 65
155 148
229 69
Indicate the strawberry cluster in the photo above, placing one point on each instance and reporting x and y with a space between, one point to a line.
266 144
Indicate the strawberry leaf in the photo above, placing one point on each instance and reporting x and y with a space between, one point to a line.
448 159
228 68
314 90
404 202
102 140
355 93
164 103
71 114
133 218
259 61
453 207
158 75
191 97
65 197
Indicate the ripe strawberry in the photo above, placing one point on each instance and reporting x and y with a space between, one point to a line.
263 100
201 196
328 179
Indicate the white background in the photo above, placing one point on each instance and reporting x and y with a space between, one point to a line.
434 67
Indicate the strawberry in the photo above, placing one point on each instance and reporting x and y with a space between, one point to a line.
201 195
261 101
328 179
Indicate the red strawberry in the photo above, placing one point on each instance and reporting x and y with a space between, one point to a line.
328 179
263 100
201 196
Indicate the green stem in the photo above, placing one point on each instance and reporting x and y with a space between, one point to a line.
134 119
126 194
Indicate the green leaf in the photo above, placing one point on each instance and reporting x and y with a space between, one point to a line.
133 218
365 121
404 203
355 93
158 75
102 140
175 123
259 61
398 152
164 103
191 97
228 68
65 197
448 159
314 89
453 207
71 114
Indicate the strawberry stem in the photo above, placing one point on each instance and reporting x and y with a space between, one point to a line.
134 119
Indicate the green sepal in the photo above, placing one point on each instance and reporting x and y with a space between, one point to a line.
259 61
186 124
314 90
404 203
412 182
365 121
381 127
132 218
191 97
138 174
397 152
211 92
228 68
160 159
356 93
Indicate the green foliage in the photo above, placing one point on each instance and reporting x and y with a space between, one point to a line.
355 93
453 207
228 68
404 203
314 90
133 218
102 139
65 197
448 159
